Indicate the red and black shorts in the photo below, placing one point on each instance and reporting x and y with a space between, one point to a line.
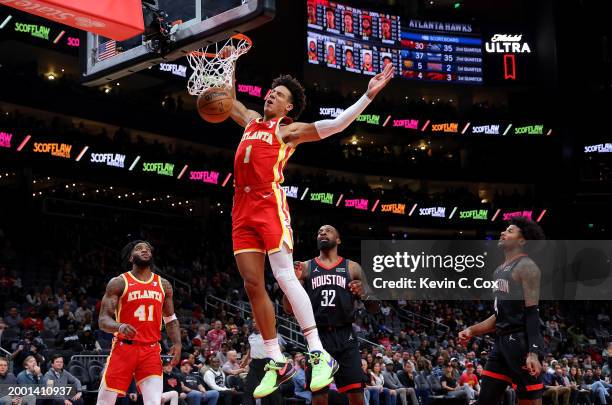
507 363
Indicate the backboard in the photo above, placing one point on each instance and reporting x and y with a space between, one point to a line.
173 28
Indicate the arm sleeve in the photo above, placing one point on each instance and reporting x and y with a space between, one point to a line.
326 128
534 335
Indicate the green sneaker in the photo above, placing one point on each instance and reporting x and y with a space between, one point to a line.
323 369
276 374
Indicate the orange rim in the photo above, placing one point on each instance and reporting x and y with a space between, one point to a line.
240 37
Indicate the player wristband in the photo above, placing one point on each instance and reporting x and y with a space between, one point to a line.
168 319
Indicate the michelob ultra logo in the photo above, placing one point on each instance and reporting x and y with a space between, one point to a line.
504 43
55 149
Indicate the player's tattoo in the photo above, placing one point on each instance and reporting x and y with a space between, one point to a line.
114 289
529 274
172 328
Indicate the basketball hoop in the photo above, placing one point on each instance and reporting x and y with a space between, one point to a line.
212 70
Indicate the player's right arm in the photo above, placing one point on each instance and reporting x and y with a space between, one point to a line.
486 326
106 320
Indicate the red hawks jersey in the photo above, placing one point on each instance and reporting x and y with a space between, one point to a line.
261 155
141 306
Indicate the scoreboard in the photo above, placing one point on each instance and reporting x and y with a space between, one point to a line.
441 57
362 41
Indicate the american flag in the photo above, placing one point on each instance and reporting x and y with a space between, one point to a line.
107 50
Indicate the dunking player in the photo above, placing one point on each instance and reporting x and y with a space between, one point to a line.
332 283
260 216
138 299
518 345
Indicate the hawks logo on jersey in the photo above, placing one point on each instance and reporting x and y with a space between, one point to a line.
261 155
141 306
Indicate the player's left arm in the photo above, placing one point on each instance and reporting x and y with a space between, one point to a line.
173 328
529 275
300 132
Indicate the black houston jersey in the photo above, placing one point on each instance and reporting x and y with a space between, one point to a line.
327 287
509 299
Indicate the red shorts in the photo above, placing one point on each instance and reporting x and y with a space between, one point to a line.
129 361
260 219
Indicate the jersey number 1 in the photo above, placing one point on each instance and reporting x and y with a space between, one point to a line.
328 297
247 155
141 313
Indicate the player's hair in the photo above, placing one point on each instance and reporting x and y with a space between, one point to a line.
126 252
298 97
55 357
530 229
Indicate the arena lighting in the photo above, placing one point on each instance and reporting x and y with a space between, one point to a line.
182 172
304 194
452 213
387 121
496 214
82 153
412 210
465 128
133 164
51 76
375 205
59 36
339 200
425 126
541 216
6 21
226 179
507 129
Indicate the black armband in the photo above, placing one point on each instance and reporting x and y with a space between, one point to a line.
535 341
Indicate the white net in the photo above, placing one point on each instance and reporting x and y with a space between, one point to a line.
213 66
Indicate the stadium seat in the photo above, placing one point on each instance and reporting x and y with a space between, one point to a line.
79 372
8 337
47 334
95 376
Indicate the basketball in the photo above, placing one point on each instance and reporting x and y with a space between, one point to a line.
215 104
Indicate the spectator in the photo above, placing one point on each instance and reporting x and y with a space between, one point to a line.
51 323
8 378
216 336
3 327
33 322
69 340
62 378
87 339
172 386
470 380
30 345
81 311
438 370
450 385
31 374
378 381
200 338
187 346
193 385
66 316
579 393
553 386
214 378
392 382
233 369
371 392
299 380
13 319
